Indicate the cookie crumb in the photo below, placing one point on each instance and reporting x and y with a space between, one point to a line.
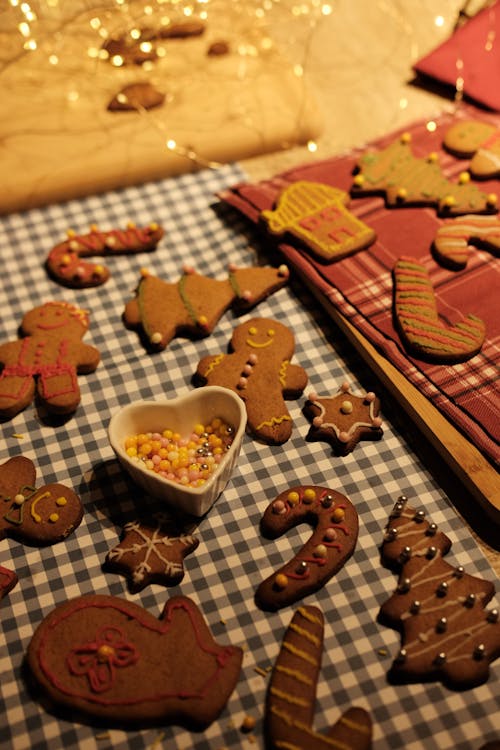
103 736
247 724
382 652
18 436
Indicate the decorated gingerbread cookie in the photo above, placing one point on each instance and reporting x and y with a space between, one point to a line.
479 141
106 658
408 181
193 305
335 523
344 419
291 694
317 215
8 580
447 633
64 262
421 330
151 552
47 360
455 237
31 515
258 369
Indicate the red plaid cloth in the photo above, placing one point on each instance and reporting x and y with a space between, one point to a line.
361 286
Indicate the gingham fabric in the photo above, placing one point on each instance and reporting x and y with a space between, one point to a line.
361 286
232 558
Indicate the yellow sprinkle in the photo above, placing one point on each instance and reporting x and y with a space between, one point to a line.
18 436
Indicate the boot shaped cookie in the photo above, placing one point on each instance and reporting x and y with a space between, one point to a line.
292 693
107 658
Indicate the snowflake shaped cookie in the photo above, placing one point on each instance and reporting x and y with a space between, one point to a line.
151 552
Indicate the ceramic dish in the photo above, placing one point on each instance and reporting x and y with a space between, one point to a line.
180 414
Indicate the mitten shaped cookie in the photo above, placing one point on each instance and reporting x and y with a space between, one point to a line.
107 658
193 305
47 360
447 634
258 369
291 694
335 523
35 516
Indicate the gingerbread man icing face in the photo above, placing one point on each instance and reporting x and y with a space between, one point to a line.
258 369
47 360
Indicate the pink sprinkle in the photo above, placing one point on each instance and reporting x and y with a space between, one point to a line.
252 359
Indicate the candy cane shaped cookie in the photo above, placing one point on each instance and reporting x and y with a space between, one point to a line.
291 694
335 523
421 330
452 244
64 262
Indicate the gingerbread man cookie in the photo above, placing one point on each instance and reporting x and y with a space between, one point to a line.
335 523
317 215
291 695
35 516
447 634
258 369
479 141
193 305
408 181
64 262
107 658
344 419
454 238
151 552
47 360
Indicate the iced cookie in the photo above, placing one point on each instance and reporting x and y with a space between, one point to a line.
31 515
421 330
408 181
344 419
193 305
317 215
291 694
479 141
108 659
65 265
454 238
151 552
47 360
446 632
258 369
335 523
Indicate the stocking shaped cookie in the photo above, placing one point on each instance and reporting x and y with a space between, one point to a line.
258 369
291 694
110 659
194 304
47 360
35 516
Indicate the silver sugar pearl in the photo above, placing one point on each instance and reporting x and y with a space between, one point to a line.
431 552
404 586
301 568
470 600
391 534
415 607
327 501
401 657
404 555
459 572
440 659
419 516
492 615
442 624
432 529
442 589
479 652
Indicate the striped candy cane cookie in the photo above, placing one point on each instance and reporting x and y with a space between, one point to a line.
292 692
452 244
421 330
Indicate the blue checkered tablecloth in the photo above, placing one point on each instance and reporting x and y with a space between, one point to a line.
232 558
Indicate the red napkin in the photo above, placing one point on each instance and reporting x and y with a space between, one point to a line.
473 54
361 287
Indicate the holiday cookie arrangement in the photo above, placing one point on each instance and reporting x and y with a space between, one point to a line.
216 499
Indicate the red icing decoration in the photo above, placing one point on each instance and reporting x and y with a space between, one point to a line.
99 659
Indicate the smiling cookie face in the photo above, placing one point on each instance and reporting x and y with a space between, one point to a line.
264 335
55 317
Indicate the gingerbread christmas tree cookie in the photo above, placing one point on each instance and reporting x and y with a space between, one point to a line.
344 419
151 552
193 305
409 181
447 633
317 215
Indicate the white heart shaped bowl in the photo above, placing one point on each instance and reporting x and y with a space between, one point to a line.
180 414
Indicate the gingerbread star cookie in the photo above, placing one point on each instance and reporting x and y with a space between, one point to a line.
344 419
317 215
151 552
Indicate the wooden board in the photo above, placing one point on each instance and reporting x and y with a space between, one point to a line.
58 141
